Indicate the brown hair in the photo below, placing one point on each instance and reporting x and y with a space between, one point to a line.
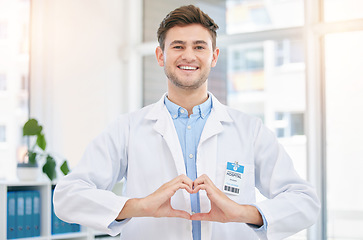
183 16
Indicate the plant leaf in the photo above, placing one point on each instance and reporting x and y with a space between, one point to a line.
41 141
64 168
31 128
49 168
32 157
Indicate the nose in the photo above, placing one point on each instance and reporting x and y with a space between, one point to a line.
188 54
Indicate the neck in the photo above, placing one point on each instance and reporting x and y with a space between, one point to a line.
187 98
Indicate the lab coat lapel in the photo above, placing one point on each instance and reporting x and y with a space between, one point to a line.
207 149
165 127
206 164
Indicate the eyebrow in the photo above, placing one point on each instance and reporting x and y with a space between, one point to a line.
175 42
201 42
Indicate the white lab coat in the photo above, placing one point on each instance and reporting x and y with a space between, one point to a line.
144 148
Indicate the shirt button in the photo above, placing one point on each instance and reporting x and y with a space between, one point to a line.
175 116
182 111
203 115
190 155
189 127
193 212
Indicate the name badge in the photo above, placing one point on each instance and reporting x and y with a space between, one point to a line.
233 178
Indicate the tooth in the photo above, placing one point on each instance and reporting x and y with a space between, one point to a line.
188 68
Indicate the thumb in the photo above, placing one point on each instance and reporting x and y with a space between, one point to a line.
179 214
200 216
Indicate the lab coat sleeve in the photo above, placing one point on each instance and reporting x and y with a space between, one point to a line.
84 196
292 203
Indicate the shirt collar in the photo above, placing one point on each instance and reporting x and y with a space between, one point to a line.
176 111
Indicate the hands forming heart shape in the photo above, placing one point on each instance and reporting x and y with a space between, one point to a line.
223 209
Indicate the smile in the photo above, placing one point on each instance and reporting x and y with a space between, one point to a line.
187 68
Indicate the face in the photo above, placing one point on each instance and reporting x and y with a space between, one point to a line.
188 56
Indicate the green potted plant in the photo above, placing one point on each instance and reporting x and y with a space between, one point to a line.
38 151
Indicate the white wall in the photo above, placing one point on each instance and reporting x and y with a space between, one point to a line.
77 81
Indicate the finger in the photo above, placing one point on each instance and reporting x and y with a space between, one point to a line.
186 180
201 217
180 182
168 190
213 193
199 180
186 187
181 179
203 179
179 214
200 187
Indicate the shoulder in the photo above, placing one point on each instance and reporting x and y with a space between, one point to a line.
239 115
128 120
237 121
234 115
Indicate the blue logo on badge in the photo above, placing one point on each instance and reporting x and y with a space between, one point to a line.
235 167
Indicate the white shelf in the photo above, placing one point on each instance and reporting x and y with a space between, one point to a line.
45 189
82 234
33 238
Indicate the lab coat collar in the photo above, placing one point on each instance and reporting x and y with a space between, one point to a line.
177 111
217 107
220 110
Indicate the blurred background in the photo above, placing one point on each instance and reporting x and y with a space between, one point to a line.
296 64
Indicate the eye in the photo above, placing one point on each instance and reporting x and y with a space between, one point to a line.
177 47
199 47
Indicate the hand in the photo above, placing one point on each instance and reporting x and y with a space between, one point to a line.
223 209
158 204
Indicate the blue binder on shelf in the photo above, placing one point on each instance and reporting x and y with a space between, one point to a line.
11 214
36 213
60 226
63 227
56 224
75 227
20 214
28 219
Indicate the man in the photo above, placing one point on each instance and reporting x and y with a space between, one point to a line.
191 164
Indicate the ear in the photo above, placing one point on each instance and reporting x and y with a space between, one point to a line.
215 57
159 56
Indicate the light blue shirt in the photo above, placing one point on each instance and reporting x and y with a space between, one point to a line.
189 130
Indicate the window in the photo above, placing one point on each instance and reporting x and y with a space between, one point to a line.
14 78
289 124
248 60
257 15
287 51
154 80
337 10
